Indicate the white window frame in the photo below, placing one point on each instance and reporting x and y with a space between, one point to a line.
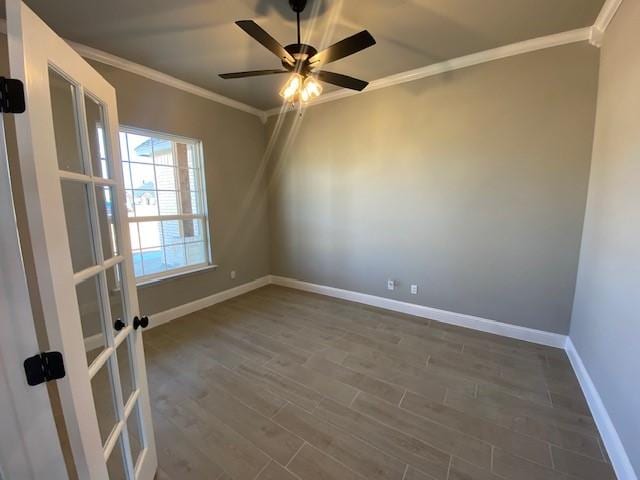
204 216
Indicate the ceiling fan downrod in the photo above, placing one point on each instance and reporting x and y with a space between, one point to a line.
298 6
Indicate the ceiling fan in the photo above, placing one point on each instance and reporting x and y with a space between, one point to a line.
304 62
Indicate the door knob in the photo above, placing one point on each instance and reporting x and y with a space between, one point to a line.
118 325
140 322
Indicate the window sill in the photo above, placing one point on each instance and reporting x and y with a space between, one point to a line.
167 278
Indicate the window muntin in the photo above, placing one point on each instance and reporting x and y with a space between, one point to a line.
166 203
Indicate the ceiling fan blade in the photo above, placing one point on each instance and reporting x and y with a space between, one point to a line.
344 48
253 73
342 80
266 40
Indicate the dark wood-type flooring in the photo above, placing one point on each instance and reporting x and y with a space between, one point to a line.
279 385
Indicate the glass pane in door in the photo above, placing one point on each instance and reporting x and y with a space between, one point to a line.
65 123
97 138
90 306
104 399
105 197
77 213
124 367
135 436
116 297
115 464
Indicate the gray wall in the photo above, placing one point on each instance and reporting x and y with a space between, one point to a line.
471 184
606 317
233 143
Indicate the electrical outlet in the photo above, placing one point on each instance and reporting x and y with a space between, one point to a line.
414 289
232 274
391 284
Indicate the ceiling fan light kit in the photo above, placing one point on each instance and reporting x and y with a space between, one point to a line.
292 87
300 89
311 89
304 62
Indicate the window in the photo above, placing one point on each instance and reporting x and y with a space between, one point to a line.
166 203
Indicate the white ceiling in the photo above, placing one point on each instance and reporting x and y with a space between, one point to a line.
194 40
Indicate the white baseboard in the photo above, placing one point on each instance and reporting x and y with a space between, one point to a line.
617 453
96 341
187 308
613 444
460 319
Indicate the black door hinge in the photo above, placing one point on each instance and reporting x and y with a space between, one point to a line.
11 96
44 367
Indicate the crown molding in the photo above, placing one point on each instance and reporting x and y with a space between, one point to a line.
132 67
592 34
607 13
555 40
138 69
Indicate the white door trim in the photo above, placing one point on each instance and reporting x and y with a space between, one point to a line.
34 50
47 228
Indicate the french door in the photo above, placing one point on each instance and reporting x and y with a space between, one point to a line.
72 179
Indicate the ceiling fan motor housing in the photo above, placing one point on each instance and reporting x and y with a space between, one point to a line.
302 53
298 5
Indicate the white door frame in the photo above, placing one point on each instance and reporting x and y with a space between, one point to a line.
58 299
33 50
29 444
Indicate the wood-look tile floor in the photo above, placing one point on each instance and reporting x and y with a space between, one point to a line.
279 384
